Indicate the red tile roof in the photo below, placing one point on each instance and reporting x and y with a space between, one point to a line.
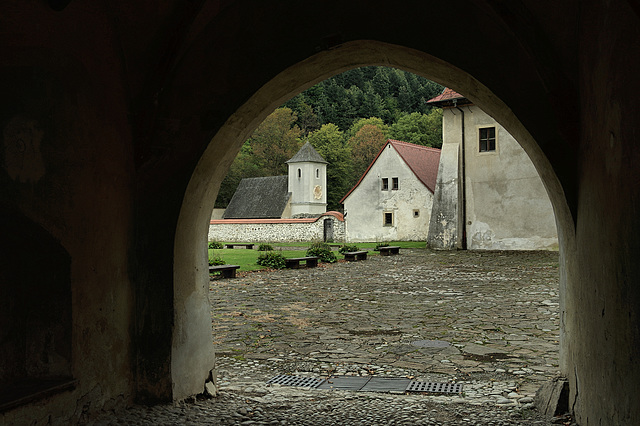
422 160
446 95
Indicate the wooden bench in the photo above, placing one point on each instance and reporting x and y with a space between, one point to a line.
389 250
294 262
352 256
226 271
231 246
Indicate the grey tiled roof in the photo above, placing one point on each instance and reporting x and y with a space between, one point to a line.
307 154
259 198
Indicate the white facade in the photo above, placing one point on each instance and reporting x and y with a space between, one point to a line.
373 213
308 188
507 207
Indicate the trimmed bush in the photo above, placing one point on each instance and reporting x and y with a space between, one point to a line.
381 245
215 245
323 251
346 248
271 259
215 260
265 247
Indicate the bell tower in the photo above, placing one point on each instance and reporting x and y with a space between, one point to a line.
308 182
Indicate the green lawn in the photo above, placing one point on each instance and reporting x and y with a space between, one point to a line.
247 258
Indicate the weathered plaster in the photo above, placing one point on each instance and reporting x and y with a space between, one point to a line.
366 205
507 206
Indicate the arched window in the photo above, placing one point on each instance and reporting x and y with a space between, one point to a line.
299 173
317 173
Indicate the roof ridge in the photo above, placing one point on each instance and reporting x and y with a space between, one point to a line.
392 141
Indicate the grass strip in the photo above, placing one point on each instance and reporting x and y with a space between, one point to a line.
247 258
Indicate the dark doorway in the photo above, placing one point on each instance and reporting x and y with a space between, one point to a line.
328 230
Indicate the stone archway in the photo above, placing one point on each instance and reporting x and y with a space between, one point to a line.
192 356
146 104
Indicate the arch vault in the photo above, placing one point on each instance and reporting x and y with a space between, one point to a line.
121 119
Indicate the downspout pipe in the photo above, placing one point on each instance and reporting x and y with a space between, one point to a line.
464 184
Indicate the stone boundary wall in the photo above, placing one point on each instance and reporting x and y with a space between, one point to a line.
276 230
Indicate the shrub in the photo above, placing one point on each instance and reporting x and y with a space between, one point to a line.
381 245
323 251
271 259
215 260
265 247
215 245
345 248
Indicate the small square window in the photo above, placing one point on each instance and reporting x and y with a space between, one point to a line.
385 184
416 213
394 182
388 219
487 139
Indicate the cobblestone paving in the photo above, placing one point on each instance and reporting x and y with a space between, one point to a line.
494 316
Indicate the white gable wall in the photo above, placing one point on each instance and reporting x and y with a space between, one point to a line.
367 203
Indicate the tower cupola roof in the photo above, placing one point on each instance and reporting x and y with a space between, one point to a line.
307 154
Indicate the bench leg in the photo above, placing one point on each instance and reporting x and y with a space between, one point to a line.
312 263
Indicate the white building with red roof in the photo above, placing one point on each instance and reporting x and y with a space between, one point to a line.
489 195
392 200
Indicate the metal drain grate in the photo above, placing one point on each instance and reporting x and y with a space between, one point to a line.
302 382
365 384
434 387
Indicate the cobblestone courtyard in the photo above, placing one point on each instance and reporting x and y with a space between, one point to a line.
492 315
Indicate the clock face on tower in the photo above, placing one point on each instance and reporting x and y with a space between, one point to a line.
317 192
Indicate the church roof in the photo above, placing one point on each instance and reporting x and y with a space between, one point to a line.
307 154
259 198
422 160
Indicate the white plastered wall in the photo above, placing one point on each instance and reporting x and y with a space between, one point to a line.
366 205
507 205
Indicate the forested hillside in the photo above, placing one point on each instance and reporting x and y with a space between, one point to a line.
347 119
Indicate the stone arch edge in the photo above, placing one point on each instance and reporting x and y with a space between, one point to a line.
192 359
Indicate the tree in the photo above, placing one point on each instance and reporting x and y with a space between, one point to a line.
275 141
421 129
381 82
349 101
307 120
264 154
329 142
373 104
359 124
364 146
405 103
243 166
